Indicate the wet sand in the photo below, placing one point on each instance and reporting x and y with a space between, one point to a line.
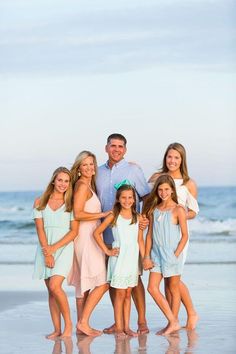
24 317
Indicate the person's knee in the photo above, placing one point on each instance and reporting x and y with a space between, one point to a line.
120 294
53 287
174 288
128 294
151 288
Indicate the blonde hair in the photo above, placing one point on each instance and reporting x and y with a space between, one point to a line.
50 188
117 206
183 166
153 198
75 168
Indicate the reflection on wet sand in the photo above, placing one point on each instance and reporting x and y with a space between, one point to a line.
176 342
83 343
122 345
59 343
183 341
192 341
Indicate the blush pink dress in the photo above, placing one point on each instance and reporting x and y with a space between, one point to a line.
88 270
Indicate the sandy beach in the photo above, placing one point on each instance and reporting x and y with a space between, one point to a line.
24 317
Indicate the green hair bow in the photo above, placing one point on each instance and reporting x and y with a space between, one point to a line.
122 183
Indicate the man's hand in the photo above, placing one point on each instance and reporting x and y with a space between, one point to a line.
143 222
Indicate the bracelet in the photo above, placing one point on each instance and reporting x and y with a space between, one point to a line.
146 257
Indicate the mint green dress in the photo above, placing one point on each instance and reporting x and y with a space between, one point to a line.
122 271
56 225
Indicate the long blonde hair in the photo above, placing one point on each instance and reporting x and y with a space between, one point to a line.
50 188
153 198
75 168
183 166
117 206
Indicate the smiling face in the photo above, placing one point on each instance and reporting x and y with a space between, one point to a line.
126 199
116 150
61 182
173 160
87 167
164 191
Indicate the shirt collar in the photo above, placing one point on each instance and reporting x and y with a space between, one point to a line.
116 165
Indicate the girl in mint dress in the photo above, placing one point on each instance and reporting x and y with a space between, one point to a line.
122 270
56 230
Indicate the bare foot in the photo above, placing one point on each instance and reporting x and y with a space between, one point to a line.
67 332
53 335
142 328
172 327
120 334
110 330
159 333
192 321
86 329
131 333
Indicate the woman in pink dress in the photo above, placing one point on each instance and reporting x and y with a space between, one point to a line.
89 270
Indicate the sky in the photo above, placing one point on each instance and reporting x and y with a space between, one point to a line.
158 71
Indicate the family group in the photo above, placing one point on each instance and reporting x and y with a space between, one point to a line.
100 227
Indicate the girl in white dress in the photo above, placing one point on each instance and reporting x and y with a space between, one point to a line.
56 230
175 164
122 272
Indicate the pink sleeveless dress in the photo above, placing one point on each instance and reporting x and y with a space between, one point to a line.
88 270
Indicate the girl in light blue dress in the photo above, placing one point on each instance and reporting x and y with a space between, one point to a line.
56 230
122 270
165 241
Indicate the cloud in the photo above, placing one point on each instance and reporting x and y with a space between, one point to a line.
84 39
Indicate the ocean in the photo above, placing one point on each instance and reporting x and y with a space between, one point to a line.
212 232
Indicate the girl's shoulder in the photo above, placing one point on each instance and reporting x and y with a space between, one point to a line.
36 202
179 210
154 177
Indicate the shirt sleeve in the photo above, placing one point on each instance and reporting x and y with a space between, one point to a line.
141 184
192 203
37 214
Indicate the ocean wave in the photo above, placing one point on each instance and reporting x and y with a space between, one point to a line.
18 225
11 209
15 241
205 226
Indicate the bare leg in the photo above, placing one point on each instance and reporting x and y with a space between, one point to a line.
188 304
92 300
111 329
126 313
118 311
55 286
80 302
174 289
55 314
167 291
138 295
153 289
